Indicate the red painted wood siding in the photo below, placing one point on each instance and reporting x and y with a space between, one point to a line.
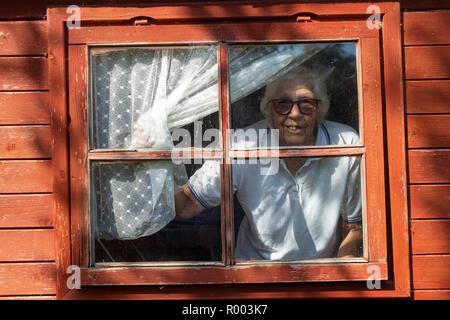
26 197
27 245
31 9
427 93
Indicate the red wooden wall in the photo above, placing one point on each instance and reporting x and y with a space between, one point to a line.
427 96
27 246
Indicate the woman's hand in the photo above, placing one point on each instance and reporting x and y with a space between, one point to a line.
139 139
351 246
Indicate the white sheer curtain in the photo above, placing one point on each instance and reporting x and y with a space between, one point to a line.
139 96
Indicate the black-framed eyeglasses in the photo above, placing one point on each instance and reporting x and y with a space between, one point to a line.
307 106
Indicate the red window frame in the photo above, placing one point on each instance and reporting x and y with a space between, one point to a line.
72 44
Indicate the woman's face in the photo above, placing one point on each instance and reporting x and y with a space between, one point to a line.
295 128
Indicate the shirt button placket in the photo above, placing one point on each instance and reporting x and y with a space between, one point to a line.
299 181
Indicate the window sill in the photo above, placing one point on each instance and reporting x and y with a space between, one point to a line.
256 273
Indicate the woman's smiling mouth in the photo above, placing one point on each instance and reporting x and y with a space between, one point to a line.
293 129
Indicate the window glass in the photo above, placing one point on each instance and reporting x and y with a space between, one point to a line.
140 95
297 210
133 215
265 80
153 97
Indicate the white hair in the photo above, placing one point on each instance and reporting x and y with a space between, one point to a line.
311 79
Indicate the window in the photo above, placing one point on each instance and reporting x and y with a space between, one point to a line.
152 92
134 90
100 158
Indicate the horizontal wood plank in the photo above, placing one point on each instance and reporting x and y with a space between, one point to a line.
428 131
431 272
428 62
27 278
163 10
430 236
238 274
425 28
20 9
431 294
22 142
424 5
304 290
23 73
27 176
27 245
256 31
24 108
40 297
429 201
427 96
429 166
26 211
157 10
23 37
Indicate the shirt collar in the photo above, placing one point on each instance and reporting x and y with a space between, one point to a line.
323 136
322 139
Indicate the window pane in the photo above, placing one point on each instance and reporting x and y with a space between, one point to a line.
140 95
298 210
265 80
133 215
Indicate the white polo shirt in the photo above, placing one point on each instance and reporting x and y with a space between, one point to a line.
290 217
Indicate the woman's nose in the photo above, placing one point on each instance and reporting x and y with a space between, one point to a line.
295 111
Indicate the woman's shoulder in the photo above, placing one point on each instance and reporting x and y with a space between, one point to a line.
341 133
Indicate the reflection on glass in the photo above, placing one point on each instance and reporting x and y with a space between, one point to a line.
140 95
293 88
284 210
302 210
133 215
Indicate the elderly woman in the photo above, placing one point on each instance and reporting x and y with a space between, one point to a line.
311 207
